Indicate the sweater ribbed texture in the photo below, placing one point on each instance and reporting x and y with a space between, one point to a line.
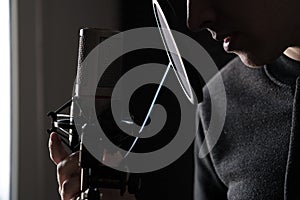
255 156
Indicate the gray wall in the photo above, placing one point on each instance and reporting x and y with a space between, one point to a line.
45 42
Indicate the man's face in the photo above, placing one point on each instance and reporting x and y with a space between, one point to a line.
258 31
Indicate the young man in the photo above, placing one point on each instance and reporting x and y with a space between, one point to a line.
255 156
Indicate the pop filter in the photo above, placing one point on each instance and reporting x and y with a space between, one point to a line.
172 50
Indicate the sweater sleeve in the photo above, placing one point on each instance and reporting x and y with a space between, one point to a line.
207 185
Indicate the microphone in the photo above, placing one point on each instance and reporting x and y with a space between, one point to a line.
94 175
87 78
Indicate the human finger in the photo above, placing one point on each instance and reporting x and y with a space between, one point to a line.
56 148
68 168
70 188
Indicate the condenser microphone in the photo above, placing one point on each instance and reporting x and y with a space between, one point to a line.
91 93
88 71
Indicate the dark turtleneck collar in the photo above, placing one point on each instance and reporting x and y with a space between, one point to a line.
285 70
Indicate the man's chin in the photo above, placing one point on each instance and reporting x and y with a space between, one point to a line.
255 61
250 62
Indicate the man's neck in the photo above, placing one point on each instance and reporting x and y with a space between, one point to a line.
293 53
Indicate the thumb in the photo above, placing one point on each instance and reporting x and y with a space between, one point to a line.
56 149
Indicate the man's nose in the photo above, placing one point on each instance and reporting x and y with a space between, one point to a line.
200 14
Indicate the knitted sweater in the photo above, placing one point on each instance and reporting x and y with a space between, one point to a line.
255 156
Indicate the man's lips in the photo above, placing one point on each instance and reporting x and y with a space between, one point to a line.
227 43
227 39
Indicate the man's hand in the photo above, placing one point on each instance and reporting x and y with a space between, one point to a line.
68 170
